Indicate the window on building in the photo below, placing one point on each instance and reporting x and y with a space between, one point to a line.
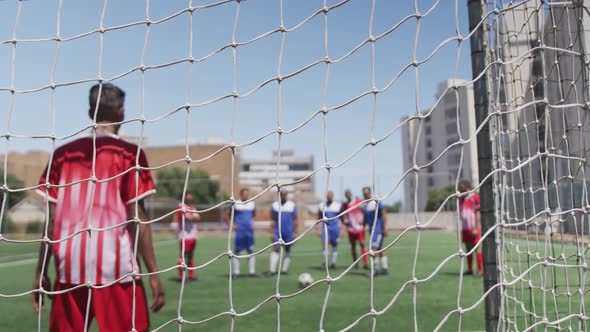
428 143
428 130
429 156
430 181
299 167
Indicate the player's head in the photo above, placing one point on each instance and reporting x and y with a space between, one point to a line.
367 192
188 198
348 195
110 107
244 194
330 196
284 195
464 185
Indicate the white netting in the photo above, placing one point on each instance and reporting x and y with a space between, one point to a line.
537 77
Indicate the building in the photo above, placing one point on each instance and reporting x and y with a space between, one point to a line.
427 139
258 174
543 90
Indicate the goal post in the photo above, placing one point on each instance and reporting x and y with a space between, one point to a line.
485 159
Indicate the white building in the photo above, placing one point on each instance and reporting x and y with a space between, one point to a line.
258 174
438 131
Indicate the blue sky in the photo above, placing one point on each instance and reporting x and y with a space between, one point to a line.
166 88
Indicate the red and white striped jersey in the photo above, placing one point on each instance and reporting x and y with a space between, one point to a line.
98 256
354 218
468 207
190 227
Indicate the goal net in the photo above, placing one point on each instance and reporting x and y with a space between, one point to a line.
538 78
395 100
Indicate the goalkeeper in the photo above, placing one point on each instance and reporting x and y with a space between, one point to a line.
93 245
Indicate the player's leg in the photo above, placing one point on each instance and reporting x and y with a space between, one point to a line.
361 241
68 310
376 242
352 241
238 248
251 259
478 253
113 306
182 244
274 255
286 259
466 238
190 247
323 245
334 238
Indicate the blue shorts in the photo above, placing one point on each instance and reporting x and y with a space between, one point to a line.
287 235
377 240
333 235
244 242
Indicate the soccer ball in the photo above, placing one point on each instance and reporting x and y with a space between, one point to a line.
305 279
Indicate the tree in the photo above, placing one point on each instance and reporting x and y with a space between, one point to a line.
436 198
170 183
13 183
395 208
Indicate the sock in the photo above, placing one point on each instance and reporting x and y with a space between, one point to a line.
365 258
236 266
354 256
286 263
376 263
180 269
252 265
191 273
323 256
274 261
480 262
334 254
470 263
384 263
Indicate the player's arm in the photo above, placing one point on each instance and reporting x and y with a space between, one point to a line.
227 215
384 218
45 252
192 216
146 251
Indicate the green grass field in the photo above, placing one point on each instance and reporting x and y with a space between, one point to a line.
349 297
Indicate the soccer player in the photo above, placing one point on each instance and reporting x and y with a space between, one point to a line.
95 189
288 228
355 225
375 217
187 235
244 231
331 210
471 225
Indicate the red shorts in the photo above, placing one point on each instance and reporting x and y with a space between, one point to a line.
189 245
356 236
111 306
468 237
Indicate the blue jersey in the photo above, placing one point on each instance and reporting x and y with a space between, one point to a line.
288 217
369 210
333 210
243 218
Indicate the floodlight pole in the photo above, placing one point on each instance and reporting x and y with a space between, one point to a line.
484 158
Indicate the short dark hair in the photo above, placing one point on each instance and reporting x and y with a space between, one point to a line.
367 189
111 100
244 190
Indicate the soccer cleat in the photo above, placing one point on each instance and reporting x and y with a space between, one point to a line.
467 273
253 275
333 266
